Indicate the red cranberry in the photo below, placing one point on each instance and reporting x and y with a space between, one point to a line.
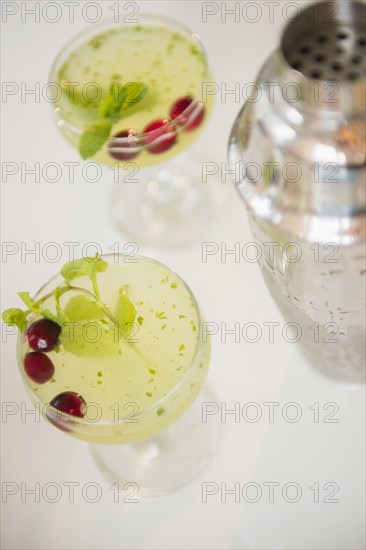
160 136
70 403
38 367
191 119
43 335
121 151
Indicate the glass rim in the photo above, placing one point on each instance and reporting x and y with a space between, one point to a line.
109 22
80 420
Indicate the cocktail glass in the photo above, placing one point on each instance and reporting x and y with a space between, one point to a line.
158 200
139 394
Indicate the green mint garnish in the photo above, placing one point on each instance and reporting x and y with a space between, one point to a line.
94 137
125 312
36 308
29 302
110 111
84 267
80 308
160 411
15 317
75 318
120 99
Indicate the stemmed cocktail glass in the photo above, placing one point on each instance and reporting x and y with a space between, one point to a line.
113 352
160 198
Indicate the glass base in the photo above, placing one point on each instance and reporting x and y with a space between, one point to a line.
168 460
166 205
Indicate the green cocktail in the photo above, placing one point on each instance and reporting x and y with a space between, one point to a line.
168 66
112 351
132 97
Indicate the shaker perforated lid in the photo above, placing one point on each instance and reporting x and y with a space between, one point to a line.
327 41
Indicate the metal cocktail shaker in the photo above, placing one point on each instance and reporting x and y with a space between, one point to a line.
299 144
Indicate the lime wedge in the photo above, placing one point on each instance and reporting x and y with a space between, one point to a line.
88 334
82 308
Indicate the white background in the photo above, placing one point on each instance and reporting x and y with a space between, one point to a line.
304 452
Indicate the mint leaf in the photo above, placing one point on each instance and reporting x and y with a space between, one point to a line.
131 93
83 267
120 99
125 312
35 307
82 307
112 105
94 137
108 109
29 302
15 317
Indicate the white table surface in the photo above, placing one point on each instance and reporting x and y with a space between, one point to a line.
304 453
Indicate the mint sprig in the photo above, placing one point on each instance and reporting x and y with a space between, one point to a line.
15 317
29 302
88 267
110 111
35 307
125 311
70 271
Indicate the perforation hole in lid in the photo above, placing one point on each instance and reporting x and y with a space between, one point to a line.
325 45
336 50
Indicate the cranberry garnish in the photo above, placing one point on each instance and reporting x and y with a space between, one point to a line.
38 367
70 403
193 118
121 151
43 335
160 136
